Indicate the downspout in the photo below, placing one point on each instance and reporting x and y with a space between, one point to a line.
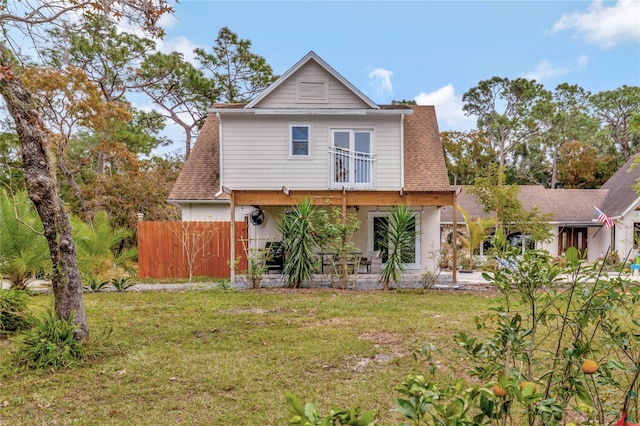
402 151
220 145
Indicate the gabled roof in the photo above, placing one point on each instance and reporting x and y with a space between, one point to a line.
621 195
569 206
311 56
424 169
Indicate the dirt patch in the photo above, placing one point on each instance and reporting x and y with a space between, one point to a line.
389 345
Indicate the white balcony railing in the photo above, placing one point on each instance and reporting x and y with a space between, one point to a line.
351 169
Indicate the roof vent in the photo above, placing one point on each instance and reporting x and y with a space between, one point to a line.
313 91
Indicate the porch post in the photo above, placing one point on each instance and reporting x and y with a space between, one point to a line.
454 239
232 243
344 206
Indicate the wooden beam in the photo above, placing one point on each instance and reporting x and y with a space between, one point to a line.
454 240
337 198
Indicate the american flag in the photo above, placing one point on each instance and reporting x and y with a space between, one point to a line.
608 222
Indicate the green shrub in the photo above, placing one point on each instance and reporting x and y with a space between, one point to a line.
93 284
308 415
14 312
122 284
51 343
23 247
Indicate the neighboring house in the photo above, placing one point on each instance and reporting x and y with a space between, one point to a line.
575 220
312 134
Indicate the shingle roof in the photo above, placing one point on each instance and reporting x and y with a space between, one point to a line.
567 205
199 178
620 185
425 168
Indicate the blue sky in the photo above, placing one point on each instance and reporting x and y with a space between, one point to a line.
430 51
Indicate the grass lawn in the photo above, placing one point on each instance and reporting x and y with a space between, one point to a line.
227 358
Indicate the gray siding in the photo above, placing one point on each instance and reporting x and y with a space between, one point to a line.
285 95
256 151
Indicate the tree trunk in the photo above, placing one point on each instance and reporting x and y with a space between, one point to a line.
41 186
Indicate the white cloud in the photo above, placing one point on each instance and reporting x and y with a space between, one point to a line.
605 26
167 20
380 80
179 44
448 108
545 69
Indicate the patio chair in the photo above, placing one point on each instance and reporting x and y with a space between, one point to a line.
373 262
275 257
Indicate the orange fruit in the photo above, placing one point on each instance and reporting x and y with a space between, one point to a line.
525 384
499 391
589 366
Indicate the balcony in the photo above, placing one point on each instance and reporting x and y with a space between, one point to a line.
351 169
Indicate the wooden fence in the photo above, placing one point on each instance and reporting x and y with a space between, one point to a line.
181 249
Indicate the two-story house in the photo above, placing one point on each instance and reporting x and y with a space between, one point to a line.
312 134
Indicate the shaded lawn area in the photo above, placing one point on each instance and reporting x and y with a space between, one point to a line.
226 358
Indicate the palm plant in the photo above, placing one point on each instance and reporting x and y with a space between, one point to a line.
300 242
399 242
97 245
23 247
477 231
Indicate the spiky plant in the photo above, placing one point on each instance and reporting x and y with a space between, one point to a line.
300 240
399 241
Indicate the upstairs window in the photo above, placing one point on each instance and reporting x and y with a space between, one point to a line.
300 140
352 158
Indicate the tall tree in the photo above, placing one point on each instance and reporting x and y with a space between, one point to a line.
617 110
181 91
239 75
582 165
466 154
69 102
503 108
34 138
109 58
562 117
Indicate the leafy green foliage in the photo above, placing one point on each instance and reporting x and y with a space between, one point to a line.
502 199
298 229
477 230
14 311
308 415
97 245
51 343
466 155
618 109
399 240
23 248
503 108
336 237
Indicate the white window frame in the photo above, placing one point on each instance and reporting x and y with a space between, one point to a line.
352 140
290 137
370 236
